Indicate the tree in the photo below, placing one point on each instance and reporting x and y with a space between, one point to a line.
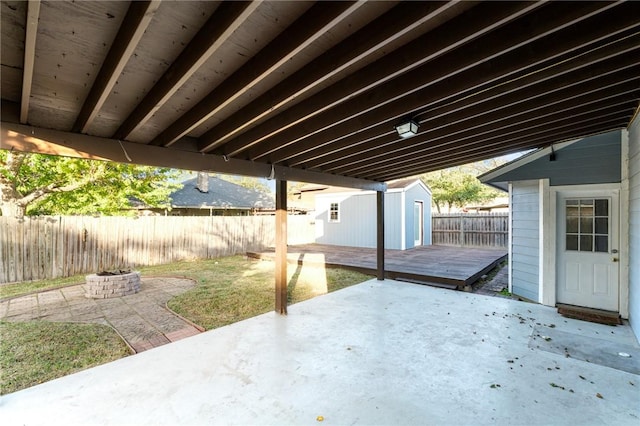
44 184
458 186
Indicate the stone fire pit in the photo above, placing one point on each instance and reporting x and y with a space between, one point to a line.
111 284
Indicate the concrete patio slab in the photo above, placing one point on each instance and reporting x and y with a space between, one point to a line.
375 353
142 319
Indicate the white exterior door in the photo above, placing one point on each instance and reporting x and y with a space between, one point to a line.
418 224
587 249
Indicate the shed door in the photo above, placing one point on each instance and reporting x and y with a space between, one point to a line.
588 268
418 223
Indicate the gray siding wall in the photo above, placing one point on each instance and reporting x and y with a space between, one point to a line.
634 226
357 226
525 226
417 193
595 159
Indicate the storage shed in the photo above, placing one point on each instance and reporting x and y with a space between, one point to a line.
569 222
345 217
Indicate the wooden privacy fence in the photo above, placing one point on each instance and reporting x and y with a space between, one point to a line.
41 247
472 230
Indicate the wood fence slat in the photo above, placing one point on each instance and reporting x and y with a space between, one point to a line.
50 247
34 248
472 230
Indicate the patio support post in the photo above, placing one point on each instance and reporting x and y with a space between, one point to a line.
281 246
380 234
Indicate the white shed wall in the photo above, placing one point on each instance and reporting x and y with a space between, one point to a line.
357 225
525 226
392 220
634 226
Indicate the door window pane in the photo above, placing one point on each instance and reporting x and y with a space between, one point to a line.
602 225
587 225
573 211
602 207
572 225
586 242
586 208
602 244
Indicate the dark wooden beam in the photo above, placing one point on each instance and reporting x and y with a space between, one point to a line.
471 127
445 38
281 247
312 25
536 140
540 139
519 148
217 30
31 30
495 55
527 132
500 131
46 141
132 29
374 37
515 149
474 80
449 151
380 235
530 102
443 115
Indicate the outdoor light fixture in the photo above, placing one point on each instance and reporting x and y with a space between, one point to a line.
408 128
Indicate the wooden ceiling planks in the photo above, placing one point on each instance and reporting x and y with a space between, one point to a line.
375 37
290 42
217 30
316 88
132 29
432 81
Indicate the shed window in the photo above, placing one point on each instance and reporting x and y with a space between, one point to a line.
334 212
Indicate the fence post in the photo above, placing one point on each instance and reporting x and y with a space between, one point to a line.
461 229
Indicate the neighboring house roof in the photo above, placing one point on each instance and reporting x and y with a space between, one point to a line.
595 159
221 194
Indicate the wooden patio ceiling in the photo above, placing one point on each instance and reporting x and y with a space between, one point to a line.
312 90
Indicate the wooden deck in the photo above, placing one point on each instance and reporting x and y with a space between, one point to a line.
444 266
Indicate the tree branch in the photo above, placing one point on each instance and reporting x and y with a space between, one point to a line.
54 187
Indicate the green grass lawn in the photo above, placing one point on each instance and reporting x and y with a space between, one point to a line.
38 351
232 289
228 290
17 289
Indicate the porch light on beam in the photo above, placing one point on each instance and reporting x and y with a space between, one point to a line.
407 129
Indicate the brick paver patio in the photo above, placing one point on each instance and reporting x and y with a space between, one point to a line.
142 319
